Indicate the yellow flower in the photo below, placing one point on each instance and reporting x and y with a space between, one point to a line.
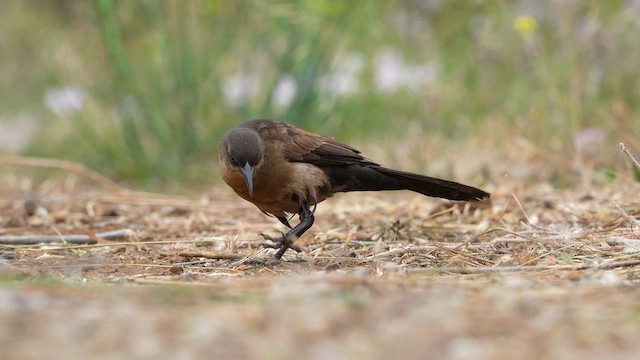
525 25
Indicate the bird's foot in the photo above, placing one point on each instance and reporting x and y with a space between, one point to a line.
282 244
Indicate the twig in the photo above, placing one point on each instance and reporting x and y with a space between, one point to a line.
195 262
128 243
526 216
438 213
210 255
626 215
77 169
452 246
159 266
500 269
495 229
547 253
504 210
628 153
70 239
346 245
617 241
418 249
62 165
402 251
221 286
456 252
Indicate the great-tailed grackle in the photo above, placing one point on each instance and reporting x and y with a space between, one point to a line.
285 170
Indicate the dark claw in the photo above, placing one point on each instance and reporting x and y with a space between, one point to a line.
282 244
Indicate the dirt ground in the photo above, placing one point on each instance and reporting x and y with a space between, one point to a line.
535 273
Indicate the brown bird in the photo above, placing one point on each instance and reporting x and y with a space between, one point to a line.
285 170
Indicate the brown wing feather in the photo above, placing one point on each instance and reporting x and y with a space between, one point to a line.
302 146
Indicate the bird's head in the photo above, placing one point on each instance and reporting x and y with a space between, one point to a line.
242 150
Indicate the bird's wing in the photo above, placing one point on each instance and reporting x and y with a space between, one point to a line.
302 146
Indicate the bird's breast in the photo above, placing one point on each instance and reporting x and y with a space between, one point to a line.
279 186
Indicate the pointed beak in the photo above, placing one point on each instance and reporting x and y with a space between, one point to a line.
247 174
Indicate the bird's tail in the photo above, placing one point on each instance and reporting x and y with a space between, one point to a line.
433 186
376 178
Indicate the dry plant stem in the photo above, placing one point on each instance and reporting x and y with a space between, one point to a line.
62 165
616 241
195 262
526 216
626 215
489 231
442 212
452 248
628 153
210 255
468 256
128 243
414 249
504 210
540 257
70 239
346 246
245 259
175 283
79 170
104 265
500 269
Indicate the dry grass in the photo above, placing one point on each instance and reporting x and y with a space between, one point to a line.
538 273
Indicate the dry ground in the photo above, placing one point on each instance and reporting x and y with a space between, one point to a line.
537 273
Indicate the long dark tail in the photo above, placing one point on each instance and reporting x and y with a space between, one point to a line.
377 178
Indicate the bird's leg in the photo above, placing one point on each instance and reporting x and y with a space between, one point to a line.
287 239
284 221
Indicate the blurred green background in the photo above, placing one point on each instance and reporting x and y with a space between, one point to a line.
142 90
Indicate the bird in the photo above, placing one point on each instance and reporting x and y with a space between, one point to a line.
284 171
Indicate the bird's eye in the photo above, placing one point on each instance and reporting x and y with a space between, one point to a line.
233 161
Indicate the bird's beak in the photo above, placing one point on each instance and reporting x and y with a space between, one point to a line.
247 174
